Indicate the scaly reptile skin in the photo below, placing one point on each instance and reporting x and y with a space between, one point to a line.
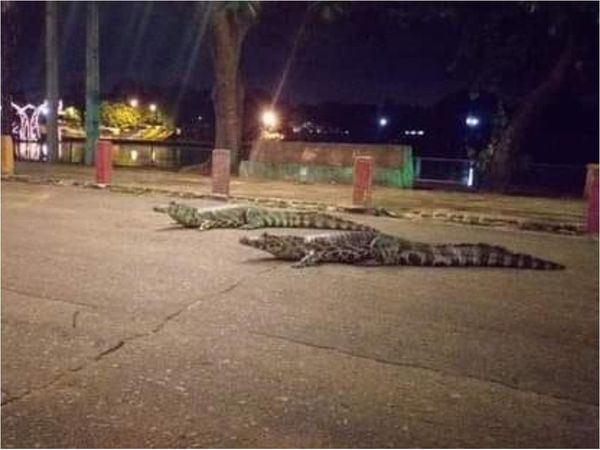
249 218
378 249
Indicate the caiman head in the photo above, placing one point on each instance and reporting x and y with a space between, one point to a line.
283 246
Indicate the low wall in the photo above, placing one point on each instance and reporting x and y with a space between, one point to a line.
307 162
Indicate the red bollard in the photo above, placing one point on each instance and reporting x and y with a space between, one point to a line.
221 161
362 179
592 205
103 162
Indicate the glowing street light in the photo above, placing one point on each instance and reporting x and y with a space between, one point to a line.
134 102
383 121
472 121
152 107
269 119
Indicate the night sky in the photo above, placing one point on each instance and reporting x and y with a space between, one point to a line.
353 60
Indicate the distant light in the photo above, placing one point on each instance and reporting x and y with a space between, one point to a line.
470 177
152 107
134 102
421 132
199 118
383 121
134 155
269 119
44 108
472 121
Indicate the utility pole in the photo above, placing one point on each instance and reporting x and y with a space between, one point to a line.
92 84
52 79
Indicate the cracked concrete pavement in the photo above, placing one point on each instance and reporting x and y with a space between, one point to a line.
119 330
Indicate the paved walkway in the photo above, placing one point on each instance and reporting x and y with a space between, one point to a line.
122 331
562 215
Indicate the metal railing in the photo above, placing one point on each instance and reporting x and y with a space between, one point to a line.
444 171
530 178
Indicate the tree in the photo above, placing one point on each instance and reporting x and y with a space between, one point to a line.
230 22
9 31
119 115
92 83
523 52
52 86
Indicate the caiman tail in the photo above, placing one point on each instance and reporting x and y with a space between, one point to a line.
475 255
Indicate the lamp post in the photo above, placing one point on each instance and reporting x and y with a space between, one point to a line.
153 109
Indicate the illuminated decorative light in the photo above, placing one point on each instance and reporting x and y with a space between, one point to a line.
134 155
420 132
134 102
152 107
28 128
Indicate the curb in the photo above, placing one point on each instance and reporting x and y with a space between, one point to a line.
452 216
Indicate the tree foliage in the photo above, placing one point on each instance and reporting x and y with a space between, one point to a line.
119 115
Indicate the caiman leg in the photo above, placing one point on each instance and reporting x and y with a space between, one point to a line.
311 259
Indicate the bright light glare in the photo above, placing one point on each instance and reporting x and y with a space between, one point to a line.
134 155
134 102
383 121
470 177
152 107
269 119
472 121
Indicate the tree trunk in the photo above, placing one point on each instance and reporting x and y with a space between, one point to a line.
228 92
52 80
92 84
503 158
8 57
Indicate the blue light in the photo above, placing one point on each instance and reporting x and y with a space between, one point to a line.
472 121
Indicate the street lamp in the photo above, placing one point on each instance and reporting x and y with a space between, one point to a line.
152 107
383 121
269 119
472 121
134 102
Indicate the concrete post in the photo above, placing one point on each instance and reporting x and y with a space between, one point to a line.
362 180
592 203
8 155
591 171
103 162
221 160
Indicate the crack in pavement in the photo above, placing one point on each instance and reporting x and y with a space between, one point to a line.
225 290
390 362
50 299
6 400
